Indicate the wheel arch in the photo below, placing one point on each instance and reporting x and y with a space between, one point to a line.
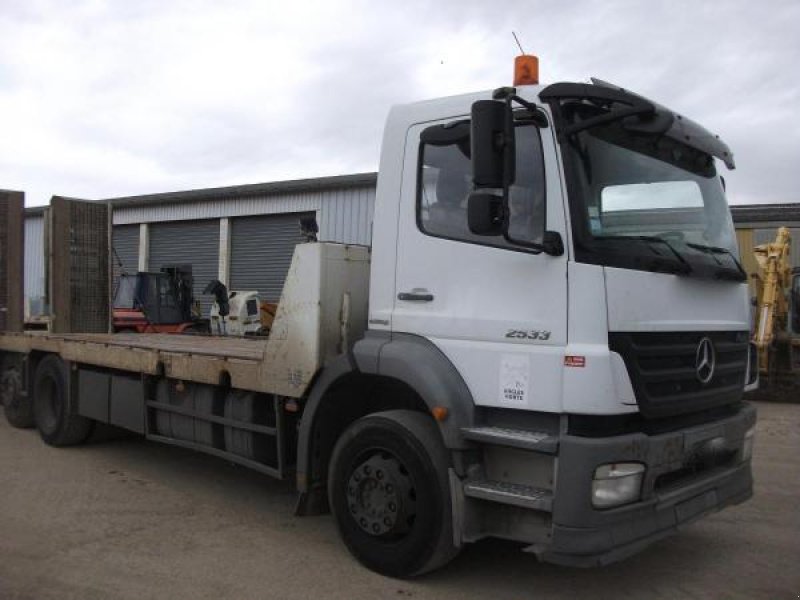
383 372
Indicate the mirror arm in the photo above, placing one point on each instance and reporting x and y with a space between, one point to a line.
552 244
524 103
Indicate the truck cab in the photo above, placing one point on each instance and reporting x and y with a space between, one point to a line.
554 270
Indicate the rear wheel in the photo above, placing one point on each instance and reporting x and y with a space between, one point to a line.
389 492
53 409
16 405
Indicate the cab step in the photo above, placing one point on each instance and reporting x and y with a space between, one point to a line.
537 441
516 494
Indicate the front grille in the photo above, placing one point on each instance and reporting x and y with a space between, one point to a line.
693 469
663 369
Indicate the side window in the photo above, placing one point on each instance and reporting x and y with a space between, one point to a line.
445 185
167 292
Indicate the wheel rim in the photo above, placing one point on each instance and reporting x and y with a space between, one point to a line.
381 495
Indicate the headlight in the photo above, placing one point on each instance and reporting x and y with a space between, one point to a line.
747 447
616 484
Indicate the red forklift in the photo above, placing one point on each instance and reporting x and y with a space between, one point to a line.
162 302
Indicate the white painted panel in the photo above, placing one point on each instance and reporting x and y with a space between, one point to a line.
640 301
591 384
491 311
322 311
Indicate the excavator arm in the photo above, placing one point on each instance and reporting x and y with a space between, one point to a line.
773 283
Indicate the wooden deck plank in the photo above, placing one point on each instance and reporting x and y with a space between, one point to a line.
202 359
242 349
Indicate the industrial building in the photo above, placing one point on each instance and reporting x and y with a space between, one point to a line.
245 235
758 224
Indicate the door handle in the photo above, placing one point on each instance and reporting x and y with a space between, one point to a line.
415 296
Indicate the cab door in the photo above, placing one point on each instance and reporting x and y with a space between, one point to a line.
496 309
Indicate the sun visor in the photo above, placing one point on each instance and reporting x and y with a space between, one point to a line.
680 128
685 130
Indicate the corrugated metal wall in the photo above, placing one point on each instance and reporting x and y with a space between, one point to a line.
261 252
345 214
193 243
34 257
126 246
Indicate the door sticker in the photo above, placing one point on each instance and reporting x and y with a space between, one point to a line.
515 375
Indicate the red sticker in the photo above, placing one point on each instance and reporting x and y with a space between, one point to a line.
574 361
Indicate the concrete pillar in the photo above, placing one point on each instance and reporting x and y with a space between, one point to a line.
144 246
224 251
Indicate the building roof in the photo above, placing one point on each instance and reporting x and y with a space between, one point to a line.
787 213
236 191
244 191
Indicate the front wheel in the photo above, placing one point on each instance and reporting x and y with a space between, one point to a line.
389 492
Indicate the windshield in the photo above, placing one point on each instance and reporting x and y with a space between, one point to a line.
126 292
649 202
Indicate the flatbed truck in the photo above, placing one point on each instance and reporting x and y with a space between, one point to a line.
546 342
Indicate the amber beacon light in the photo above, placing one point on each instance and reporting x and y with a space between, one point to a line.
526 69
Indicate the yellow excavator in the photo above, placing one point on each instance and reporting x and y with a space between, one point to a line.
777 322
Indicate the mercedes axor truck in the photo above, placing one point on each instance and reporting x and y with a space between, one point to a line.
546 342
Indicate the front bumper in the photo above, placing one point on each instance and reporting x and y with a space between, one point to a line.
672 494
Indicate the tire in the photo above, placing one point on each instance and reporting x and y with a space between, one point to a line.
389 492
16 405
53 409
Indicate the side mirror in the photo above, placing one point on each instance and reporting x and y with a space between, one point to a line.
552 243
485 214
492 144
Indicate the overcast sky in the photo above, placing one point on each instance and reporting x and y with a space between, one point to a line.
111 98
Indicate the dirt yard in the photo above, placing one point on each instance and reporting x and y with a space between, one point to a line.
133 519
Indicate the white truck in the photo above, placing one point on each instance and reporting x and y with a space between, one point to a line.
547 342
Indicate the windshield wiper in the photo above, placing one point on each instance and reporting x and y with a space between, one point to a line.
685 266
720 250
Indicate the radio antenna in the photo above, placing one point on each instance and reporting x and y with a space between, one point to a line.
516 39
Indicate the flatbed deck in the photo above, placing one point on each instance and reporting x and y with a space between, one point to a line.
323 308
203 359
224 347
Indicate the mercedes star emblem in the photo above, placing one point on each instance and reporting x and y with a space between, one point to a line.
705 360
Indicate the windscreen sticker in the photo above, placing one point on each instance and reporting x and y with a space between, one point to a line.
515 376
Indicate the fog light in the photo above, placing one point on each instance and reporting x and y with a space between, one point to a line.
616 484
747 447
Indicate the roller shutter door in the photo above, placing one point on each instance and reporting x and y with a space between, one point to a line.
261 252
193 243
125 239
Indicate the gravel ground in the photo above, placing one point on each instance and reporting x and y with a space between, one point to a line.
132 519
